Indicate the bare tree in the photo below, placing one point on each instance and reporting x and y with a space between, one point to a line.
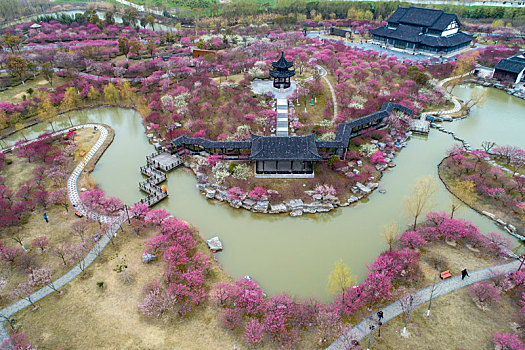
487 145
408 304
432 290
390 233
420 200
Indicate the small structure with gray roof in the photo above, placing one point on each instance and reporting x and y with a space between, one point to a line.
511 69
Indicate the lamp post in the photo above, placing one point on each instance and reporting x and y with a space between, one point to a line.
371 327
127 214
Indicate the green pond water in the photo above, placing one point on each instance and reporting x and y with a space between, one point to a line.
296 254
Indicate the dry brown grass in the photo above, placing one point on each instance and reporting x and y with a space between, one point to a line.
57 230
15 94
88 317
20 170
455 323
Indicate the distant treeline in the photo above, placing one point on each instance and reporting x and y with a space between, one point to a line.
379 9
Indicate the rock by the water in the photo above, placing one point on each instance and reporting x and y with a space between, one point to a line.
296 213
363 188
214 243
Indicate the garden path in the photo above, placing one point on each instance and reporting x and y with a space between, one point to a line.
395 309
114 225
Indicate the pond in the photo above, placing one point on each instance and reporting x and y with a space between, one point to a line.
296 254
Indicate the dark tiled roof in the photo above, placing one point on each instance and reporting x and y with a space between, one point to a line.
419 16
444 20
282 73
412 34
344 130
446 41
396 16
292 147
513 64
282 63
284 148
200 141
402 32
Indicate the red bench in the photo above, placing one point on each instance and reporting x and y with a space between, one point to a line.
445 274
79 214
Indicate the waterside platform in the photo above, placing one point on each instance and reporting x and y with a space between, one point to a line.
155 163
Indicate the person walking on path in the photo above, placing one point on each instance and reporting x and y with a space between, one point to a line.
45 218
464 273
380 315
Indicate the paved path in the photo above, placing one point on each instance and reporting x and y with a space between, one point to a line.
334 99
114 222
457 104
362 329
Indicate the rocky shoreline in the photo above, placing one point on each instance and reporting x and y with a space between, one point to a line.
298 207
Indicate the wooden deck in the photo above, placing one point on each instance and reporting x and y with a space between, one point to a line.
158 160
419 126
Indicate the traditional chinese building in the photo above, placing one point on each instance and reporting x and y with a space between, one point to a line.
511 69
422 29
282 73
282 155
288 156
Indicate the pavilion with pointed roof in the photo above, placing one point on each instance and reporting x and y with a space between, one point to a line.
281 73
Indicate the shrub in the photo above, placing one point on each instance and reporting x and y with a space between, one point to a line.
506 341
484 293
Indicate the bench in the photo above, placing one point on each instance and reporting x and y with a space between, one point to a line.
445 274
79 214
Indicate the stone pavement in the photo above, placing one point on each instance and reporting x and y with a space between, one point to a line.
363 328
114 222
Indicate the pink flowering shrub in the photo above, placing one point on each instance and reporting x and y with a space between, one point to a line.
377 158
484 293
506 341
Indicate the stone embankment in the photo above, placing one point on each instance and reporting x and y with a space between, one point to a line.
518 91
298 207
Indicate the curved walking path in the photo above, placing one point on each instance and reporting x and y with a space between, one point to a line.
114 222
391 311
451 97
322 74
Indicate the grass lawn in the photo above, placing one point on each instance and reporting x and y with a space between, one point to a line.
15 95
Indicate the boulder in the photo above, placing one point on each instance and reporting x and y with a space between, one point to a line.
248 203
277 208
501 222
362 188
490 215
359 163
210 193
221 195
296 213
236 203
295 204
261 206
352 199
214 243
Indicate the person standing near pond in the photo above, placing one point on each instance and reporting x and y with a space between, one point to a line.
45 218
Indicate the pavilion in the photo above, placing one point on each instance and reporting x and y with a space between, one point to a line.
282 73
422 29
